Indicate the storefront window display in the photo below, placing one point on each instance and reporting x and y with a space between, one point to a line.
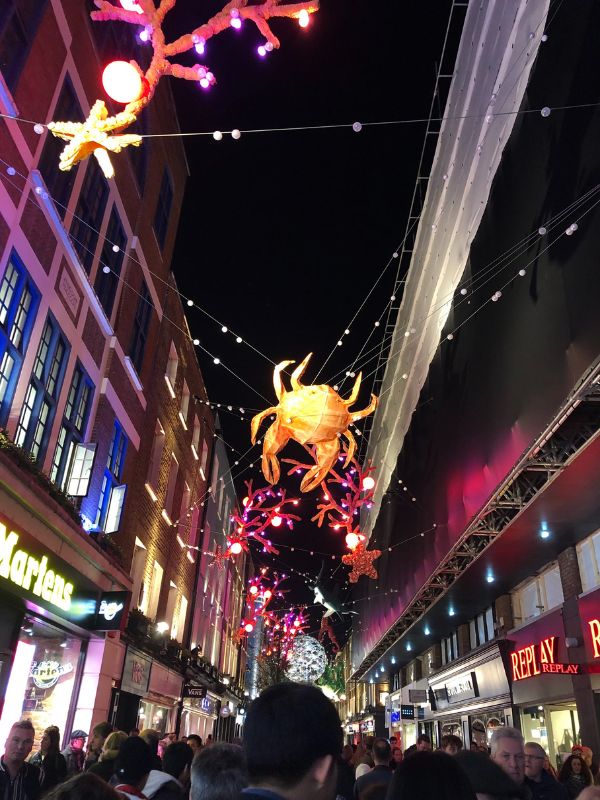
152 715
42 678
555 727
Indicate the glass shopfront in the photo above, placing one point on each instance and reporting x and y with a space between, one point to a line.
42 679
554 726
153 715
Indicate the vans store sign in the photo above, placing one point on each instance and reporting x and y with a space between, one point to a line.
29 571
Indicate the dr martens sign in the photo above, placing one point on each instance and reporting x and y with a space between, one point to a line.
540 659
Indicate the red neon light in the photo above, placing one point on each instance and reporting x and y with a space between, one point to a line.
533 659
595 631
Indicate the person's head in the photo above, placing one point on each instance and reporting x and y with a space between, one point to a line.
112 744
50 744
347 753
535 757
152 738
393 741
134 732
134 762
488 779
195 742
508 751
99 734
19 742
430 776
575 765
84 786
397 755
292 738
451 744
474 746
382 752
218 773
423 742
177 759
183 739
78 738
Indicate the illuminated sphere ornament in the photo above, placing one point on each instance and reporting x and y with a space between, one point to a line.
236 548
276 522
368 483
352 540
131 5
307 660
122 82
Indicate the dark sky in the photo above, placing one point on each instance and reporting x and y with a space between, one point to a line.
284 233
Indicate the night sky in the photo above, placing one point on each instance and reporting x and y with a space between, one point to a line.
284 233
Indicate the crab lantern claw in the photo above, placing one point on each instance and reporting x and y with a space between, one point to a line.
299 372
279 389
354 393
356 415
257 419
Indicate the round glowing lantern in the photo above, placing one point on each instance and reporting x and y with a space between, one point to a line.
122 82
235 548
368 483
276 522
352 540
254 590
248 627
131 5
268 594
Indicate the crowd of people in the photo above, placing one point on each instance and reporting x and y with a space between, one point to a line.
292 750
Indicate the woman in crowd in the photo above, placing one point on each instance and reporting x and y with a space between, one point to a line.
50 759
575 775
105 766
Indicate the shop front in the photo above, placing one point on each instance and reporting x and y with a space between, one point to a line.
56 660
407 715
471 696
200 710
542 685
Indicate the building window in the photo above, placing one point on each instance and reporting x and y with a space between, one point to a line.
481 629
58 182
178 625
163 208
185 515
185 405
588 555
112 495
39 406
171 373
168 507
155 460
138 563
111 262
72 431
196 438
449 647
537 595
19 21
154 590
204 459
141 324
19 300
89 214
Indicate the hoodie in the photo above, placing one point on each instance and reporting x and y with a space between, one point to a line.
162 786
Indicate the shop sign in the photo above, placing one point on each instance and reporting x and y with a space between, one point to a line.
463 688
208 705
136 673
45 674
34 572
594 627
395 718
407 712
194 691
538 659
367 725
417 695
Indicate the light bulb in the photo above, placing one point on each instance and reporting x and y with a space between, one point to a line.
235 548
144 35
368 483
248 627
268 594
261 50
352 540
276 522
122 82
357 127
224 329
303 18
236 23
236 134
204 83
253 590
131 5
216 360
217 136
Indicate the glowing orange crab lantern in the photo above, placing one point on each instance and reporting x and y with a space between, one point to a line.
314 415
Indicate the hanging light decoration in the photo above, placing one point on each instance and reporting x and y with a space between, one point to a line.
307 660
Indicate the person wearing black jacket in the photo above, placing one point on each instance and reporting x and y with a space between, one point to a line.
50 760
381 774
19 780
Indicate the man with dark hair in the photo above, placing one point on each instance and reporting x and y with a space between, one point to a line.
451 744
219 773
380 775
292 739
423 743
96 742
18 780
195 742
177 760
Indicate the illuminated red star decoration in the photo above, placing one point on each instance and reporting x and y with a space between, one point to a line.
361 561
219 557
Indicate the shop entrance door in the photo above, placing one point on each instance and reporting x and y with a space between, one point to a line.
554 726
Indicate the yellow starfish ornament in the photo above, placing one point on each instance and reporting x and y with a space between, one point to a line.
93 136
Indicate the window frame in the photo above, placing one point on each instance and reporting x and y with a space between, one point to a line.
13 70
74 424
111 479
